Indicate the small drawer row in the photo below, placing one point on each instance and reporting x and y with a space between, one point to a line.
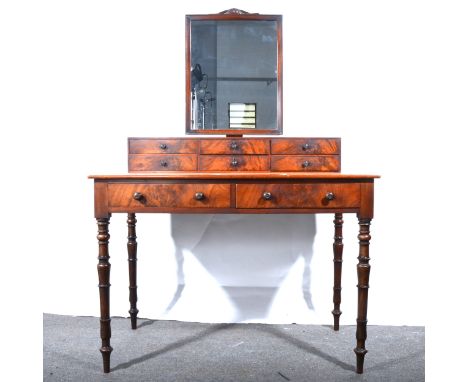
205 195
193 162
250 146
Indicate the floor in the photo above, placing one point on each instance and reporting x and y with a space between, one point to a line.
185 351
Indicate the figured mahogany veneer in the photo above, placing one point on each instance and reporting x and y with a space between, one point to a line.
301 146
169 195
235 146
234 154
161 162
298 195
162 146
234 163
305 163
234 175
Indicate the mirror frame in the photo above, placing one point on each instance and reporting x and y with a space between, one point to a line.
234 14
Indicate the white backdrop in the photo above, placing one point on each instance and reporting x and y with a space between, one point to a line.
390 78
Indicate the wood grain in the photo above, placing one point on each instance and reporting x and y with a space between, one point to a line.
305 163
161 162
298 146
234 146
234 162
169 195
297 195
162 146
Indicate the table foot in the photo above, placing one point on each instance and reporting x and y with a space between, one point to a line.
360 353
106 353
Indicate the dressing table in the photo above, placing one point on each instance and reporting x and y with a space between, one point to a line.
234 174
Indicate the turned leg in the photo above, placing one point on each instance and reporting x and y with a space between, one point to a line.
363 271
132 268
337 262
103 268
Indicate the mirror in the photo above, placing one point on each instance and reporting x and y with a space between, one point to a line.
233 73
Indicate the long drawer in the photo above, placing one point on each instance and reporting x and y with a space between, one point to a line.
169 195
333 195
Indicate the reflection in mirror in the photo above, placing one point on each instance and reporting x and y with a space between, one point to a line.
234 81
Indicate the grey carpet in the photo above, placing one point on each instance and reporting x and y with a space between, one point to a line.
184 351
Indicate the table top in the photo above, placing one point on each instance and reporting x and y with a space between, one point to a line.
187 175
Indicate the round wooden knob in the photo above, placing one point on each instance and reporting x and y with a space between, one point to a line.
234 163
138 196
306 163
164 163
163 146
267 195
329 196
234 145
199 195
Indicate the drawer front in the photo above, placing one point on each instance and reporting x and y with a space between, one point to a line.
162 146
169 195
235 146
305 163
234 163
298 195
304 146
156 162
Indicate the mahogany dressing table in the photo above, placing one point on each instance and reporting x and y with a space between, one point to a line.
233 174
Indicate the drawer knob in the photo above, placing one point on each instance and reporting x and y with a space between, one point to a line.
199 195
234 145
138 196
164 163
267 195
329 196
306 146
163 146
234 162
306 163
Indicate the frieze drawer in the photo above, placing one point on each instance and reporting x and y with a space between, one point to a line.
169 195
333 195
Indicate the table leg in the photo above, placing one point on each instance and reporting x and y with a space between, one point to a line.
103 268
363 271
132 268
337 263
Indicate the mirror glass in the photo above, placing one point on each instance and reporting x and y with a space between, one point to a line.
234 74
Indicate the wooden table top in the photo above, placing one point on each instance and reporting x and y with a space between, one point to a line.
187 175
